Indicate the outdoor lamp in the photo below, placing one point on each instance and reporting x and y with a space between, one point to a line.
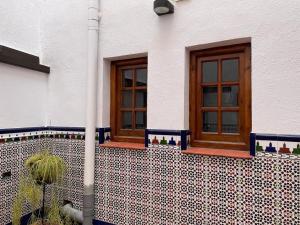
163 7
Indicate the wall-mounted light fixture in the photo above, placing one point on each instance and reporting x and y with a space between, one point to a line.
163 7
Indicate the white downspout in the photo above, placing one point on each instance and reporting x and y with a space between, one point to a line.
91 110
73 213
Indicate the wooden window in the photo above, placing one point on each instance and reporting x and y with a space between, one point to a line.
220 97
129 100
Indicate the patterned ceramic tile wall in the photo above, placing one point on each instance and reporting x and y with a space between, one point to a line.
12 159
72 151
164 186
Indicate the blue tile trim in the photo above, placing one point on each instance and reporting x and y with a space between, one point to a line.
278 137
54 128
252 144
183 137
106 129
74 129
146 138
270 137
98 222
22 130
102 134
24 219
166 132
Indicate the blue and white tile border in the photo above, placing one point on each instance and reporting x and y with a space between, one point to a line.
104 134
29 133
275 145
18 134
178 139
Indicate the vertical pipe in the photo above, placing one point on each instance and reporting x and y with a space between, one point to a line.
91 107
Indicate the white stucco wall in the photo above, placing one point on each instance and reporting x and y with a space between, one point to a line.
64 47
23 97
20 25
23 92
131 27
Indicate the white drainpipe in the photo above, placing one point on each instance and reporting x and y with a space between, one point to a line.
91 110
73 213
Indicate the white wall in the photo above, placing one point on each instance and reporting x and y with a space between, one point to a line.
64 47
23 97
131 27
23 92
19 25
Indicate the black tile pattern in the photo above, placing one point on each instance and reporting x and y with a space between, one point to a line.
12 159
164 186
13 155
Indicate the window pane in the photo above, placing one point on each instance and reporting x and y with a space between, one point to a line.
210 121
126 120
140 120
127 78
210 96
230 70
140 98
230 122
230 96
141 77
210 71
126 99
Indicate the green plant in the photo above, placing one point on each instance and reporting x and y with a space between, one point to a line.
43 169
53 215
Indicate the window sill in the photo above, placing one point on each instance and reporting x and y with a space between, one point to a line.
124 145
218 152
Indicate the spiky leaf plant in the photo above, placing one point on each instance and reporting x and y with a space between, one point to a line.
54 215
28 192
44 168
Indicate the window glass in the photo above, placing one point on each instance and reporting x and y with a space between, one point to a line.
140 98
210 121
127 78
140 120
230 122
210 96
126 120
126 99
141 77
210 71
230 70
230 96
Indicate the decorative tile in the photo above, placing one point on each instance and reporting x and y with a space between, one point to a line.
187 189
179 139
163 186
287 146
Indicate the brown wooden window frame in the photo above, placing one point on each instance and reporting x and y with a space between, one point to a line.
219 140
117 132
